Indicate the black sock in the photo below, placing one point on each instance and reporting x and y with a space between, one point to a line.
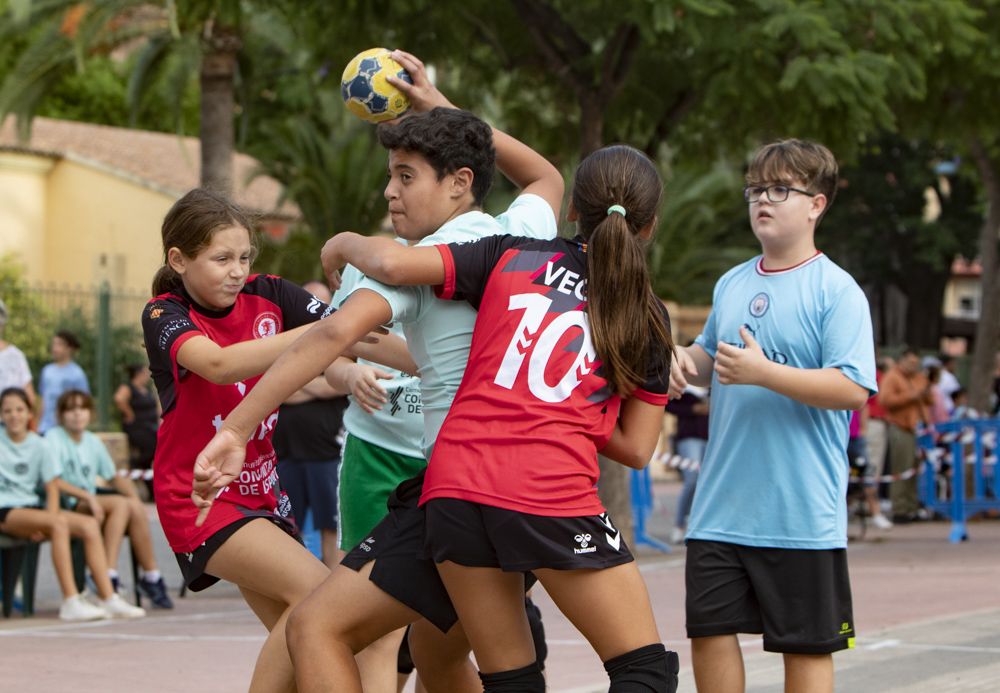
649 669
527 679
537 632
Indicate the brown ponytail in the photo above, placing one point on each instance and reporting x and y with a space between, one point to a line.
626 318
189 227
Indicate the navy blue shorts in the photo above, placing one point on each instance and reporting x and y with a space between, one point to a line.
311 484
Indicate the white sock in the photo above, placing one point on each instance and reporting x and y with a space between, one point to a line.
151 575
112 573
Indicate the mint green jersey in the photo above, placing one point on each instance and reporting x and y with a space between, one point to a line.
438 333
398 426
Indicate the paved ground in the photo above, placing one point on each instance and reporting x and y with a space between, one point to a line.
927 611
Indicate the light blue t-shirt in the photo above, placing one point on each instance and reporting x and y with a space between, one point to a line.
399 424
82 463
24 467
56 379
439 333
775 470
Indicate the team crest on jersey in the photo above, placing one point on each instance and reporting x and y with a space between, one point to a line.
266 325
759 304
155 312
21 468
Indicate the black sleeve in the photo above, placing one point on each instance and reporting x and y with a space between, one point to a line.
164 321
471 266
658 361
298 306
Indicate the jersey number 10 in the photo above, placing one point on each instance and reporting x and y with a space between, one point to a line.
541 346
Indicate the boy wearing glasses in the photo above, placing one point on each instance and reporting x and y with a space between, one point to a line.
788 351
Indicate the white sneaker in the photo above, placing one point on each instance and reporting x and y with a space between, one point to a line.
881 522
116 607
76 608
676 535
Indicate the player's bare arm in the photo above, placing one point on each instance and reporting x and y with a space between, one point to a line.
384 260
634 439
690 366
825 388
522 165
219 463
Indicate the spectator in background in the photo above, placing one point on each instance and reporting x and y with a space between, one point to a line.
940 408
14 371
140 412
857 456
691 410
92 487
59 376
949 381
877 429
306 443
905 395
962 409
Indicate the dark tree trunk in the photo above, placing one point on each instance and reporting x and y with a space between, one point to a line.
925 295
218 71
613 489
988 329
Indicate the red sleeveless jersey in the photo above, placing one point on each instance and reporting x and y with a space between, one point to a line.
533 408
194 408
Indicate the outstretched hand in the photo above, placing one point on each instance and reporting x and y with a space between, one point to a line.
363 381
423 95
218 464
741 366
681 366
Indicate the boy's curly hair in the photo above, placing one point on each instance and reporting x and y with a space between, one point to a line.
449 139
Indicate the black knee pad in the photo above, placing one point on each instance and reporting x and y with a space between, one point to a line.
537 631
649 669
527 679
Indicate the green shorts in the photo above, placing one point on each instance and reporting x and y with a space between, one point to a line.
368 474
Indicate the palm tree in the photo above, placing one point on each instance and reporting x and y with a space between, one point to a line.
173 41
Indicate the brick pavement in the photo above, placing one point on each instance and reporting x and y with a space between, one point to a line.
927 611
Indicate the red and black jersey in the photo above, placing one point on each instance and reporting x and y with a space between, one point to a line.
533 408
194 408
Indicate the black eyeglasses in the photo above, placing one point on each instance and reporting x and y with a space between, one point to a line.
775 193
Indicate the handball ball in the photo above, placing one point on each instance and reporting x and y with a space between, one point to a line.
365 90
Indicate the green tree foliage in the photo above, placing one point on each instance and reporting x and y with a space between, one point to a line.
878 229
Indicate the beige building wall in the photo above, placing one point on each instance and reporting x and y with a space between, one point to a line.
23 180
102 226
962 298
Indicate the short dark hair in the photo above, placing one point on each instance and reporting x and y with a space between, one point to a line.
449 139
70 398
72 341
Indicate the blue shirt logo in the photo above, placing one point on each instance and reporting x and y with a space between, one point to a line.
759 304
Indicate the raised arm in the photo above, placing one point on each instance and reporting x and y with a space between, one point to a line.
522 165
384 260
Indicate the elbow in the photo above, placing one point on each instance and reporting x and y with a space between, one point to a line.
389 268
635 458
858 399
218 373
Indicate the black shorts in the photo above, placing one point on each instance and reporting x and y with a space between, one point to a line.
800 599
401 568
476 535
193 564
3 514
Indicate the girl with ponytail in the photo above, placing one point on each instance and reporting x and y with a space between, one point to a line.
570 356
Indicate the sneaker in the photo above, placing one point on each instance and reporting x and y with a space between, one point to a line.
677 535
116 607
76 608
157 593
882 522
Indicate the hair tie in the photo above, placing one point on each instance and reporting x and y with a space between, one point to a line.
616 208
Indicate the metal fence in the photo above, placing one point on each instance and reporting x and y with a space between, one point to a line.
106 322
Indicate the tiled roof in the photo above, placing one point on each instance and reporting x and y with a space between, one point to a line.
159 160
